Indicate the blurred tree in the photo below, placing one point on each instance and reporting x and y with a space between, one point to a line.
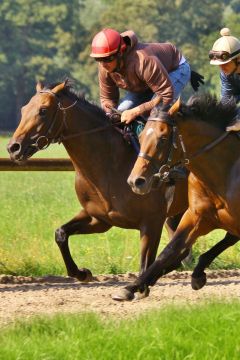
52 40
38 41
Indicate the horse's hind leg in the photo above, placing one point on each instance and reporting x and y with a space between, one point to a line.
80 224
198 275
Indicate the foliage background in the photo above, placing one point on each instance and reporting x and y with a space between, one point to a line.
49 40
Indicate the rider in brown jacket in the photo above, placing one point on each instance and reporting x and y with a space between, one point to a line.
152 73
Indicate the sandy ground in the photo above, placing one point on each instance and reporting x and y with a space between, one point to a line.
24 297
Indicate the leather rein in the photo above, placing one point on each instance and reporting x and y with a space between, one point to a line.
163 172
58 137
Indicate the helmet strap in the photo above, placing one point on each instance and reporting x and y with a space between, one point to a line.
119 57
237 63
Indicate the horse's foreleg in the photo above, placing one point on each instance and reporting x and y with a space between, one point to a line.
171 225
150 233
198 275
80 224
170 258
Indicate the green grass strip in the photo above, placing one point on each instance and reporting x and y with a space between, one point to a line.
210 331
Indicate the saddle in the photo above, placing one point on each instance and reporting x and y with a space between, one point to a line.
130 132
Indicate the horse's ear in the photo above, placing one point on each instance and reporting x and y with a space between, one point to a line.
175 107
59 87
39 86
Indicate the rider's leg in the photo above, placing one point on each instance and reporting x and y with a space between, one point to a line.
132 100
179 78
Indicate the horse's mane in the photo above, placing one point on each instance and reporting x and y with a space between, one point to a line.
75 95
208 108
204 107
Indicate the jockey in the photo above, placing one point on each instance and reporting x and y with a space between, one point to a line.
150 73
226 54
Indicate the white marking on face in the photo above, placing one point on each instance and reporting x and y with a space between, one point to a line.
149 131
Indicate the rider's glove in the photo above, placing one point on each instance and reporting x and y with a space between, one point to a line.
196 80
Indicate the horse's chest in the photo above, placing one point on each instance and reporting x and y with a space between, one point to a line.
108 210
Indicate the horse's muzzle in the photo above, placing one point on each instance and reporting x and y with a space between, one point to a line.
139 185
14 149
17 153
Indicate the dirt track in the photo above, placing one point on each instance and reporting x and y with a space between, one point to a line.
23 297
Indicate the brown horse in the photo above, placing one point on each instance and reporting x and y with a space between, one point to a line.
193 135
102 160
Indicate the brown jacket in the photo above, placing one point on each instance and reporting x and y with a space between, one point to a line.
146 66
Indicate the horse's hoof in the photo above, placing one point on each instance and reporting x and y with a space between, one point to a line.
142 295
123 295
198 282
84 275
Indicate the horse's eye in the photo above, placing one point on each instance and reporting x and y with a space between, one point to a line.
161 142
42 112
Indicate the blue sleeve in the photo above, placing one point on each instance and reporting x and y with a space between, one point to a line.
228 89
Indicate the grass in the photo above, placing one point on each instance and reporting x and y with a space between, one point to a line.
35 204
200 332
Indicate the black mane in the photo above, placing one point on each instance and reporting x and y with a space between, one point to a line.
207 108
74 95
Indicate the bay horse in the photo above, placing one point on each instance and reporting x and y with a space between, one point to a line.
102 160
193 135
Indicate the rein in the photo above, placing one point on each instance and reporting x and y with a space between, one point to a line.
58 137
164 170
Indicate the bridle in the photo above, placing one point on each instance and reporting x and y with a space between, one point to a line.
43 141
163 172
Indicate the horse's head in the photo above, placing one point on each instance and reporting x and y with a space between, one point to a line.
157 142
39 125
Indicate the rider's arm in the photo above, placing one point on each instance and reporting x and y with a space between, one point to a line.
228 90
156 77
109 92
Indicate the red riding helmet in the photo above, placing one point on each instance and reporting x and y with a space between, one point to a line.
107 42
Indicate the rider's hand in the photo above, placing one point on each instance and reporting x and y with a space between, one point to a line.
235 126
196 80
128 116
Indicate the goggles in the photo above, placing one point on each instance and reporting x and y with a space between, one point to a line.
107 59
219 55
222 55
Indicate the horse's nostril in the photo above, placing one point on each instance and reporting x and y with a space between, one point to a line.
14 148
139 182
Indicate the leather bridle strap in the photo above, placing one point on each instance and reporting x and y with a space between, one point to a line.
58 137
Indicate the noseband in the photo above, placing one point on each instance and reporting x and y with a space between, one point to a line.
163 172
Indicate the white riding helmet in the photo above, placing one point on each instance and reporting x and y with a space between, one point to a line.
224 49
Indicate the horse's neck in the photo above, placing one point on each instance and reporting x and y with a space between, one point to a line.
98 153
